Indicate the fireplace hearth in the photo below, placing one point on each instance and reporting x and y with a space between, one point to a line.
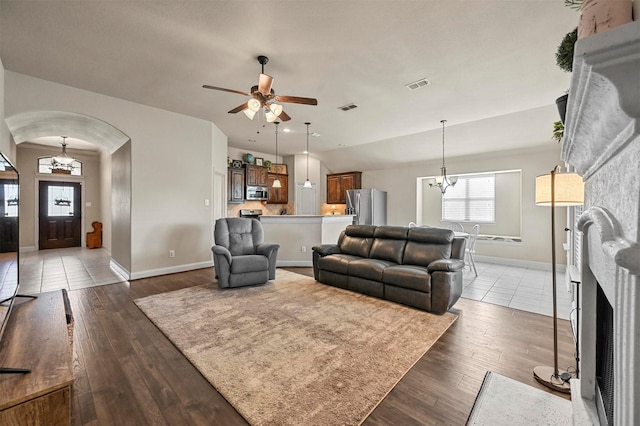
602 143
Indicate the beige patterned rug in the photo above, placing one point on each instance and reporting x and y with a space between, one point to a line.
294 351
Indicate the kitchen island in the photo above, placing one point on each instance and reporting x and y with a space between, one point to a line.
296 234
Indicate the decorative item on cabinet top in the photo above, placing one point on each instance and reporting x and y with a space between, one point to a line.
236 164
248 158
280 169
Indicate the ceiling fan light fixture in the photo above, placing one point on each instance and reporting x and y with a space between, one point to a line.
250 114
271 117
253 105
276 109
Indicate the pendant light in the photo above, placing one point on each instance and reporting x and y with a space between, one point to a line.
63 160
307 183
276 181
443 181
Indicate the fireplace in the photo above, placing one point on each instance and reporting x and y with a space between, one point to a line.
602 143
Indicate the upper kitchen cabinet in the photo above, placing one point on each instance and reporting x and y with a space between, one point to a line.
278 195
339 183
235 180
256 175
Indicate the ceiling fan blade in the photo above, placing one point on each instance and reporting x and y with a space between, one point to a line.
206 86
284 116
238 108
264 84
297 100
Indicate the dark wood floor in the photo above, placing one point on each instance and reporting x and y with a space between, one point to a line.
128 373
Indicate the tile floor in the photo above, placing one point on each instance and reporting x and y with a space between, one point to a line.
71 269
519 288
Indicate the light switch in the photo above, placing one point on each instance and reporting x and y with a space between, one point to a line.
87 204
206 202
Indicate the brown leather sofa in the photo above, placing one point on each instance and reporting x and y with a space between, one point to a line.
418 267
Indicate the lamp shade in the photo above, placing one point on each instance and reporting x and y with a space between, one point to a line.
569 190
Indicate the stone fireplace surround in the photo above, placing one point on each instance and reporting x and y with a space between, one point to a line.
602 143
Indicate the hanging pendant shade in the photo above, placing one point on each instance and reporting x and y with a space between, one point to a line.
276 181
64 158
307 182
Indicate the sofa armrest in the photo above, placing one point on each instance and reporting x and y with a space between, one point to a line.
266 249
326 249
222 251
446 265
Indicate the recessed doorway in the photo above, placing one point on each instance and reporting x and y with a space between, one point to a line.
60 215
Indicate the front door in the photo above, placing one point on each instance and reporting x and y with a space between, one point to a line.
60 215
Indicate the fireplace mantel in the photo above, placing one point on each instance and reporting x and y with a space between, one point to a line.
603 111
602 143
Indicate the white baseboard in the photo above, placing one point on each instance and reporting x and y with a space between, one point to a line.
170 270
285 263
519 262
26 249
119 269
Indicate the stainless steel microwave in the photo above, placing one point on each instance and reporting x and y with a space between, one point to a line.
257 193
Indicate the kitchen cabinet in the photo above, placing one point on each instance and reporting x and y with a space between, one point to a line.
235 185
256 175
278 195
339 183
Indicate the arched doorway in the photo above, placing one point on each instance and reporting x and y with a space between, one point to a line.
28 126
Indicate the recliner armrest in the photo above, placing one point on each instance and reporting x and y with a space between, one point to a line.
326 249
266 249
446 265
222 251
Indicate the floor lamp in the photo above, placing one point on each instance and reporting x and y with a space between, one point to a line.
556 190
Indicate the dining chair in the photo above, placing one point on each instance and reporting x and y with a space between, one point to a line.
471 247
456 227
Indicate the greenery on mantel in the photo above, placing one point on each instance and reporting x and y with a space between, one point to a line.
558 131
564 55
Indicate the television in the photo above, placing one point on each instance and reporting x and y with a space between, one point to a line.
9 262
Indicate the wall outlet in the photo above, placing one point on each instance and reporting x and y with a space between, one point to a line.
303 249
172 253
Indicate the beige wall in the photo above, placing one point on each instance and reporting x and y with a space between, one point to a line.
120 202
171 171
27 165
508 218
401 185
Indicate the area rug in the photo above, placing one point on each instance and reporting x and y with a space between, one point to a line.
504 401
295 352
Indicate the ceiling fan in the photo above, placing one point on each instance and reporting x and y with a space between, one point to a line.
263 97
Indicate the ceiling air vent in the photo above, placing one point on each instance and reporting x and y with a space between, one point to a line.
347 107
417 84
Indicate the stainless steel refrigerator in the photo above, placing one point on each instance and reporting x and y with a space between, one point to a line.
369 206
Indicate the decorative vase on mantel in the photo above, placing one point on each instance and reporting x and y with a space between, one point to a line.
598 16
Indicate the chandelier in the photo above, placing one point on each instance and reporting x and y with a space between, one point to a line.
276 181
307 183
443 181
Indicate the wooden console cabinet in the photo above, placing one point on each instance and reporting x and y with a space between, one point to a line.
339 183
37 337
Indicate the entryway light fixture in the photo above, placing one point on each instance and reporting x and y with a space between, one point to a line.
443 181
63 160
307 183
276 181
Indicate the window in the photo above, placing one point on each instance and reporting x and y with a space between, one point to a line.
45 165
472 199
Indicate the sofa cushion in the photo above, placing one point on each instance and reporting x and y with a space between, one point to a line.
425 245
357 240
338 263
389 243
370 269
408 276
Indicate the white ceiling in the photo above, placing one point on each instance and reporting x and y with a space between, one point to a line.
491 66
